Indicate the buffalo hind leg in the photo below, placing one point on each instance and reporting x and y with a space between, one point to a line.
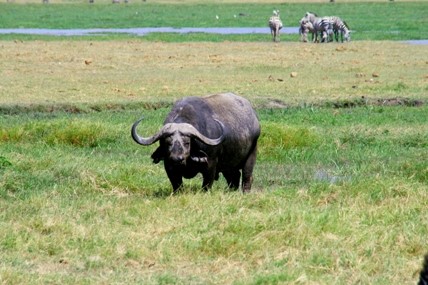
247 171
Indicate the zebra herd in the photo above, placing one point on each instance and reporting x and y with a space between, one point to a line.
322 29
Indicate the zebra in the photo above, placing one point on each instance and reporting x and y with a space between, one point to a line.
335 25
305 28
328 26
327 29
317 23
275 24
324 28
342 28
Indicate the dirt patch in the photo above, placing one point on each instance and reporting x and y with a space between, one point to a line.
80 108
364 101
400 102
265 104
358 102
274 104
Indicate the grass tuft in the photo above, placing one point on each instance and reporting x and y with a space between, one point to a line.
277 138
417 170
4 162
74 132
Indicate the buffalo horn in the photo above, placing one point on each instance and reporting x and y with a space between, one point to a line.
188 129
141 140
170 128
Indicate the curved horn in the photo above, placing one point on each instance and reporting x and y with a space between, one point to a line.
141 140
191 130
183 128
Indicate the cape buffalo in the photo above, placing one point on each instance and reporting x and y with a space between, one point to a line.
207 135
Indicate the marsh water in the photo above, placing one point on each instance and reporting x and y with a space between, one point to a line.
145 31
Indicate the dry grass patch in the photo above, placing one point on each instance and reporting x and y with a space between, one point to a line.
129 71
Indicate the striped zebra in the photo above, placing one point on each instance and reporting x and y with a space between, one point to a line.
341 28
305 28
328 26
324 29
335 26
275 24
327 29
318 25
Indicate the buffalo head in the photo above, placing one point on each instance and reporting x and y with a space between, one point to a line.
175 140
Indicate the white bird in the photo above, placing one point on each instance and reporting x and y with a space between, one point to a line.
216 16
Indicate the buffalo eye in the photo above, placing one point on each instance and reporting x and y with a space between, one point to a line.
168 141
186 141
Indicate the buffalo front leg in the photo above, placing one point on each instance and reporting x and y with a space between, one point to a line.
175 179
176 182
209 176
247 171
208 180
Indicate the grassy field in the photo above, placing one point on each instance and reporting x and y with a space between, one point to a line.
99 72
339 198
340 183
341 180
368 20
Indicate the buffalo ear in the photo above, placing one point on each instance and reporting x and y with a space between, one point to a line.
158 155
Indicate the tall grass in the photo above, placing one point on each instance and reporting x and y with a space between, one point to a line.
58 133
338 197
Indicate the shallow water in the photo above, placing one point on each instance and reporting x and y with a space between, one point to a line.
144 31
417 42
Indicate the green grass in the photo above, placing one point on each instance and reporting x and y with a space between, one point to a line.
369 21
339 193
335 191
